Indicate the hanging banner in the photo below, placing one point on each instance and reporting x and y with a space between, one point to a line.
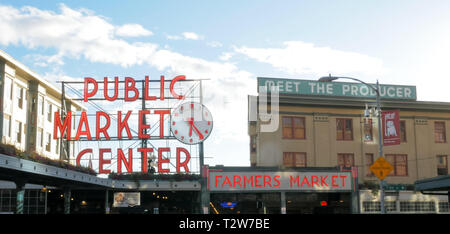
391 127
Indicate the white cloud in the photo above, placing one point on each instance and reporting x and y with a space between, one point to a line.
226 56
185 36
170 37
302 58
82 34
45 60
132 30
192 36
214 44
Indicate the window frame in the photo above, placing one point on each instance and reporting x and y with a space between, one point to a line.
369 163
446 164
253 144
395 164
436 140
403 129
344 126
48 146
7 117
345 158
368 122
19 96
293 156
49 111
292 127
18 132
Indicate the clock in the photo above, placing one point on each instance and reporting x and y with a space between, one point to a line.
191 123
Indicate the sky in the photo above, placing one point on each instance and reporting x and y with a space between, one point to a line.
231 43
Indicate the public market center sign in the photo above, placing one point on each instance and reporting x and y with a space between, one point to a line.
337 89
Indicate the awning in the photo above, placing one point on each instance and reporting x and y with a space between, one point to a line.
440 183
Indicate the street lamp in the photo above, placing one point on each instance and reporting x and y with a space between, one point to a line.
380 140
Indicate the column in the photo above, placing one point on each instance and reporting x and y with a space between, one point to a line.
67 195
283 202
107 210
20 196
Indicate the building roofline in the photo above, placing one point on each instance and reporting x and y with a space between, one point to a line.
35 75
358 103
361 102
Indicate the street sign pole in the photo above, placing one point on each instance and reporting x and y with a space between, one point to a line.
380 148
380 138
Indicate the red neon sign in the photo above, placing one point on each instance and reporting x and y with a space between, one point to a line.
131 93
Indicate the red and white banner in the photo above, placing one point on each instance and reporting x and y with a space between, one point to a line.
391 127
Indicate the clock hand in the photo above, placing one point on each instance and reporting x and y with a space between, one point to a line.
191 123
198 132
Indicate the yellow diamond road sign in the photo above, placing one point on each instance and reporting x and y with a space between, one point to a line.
381 168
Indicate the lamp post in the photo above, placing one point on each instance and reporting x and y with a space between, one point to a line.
380 139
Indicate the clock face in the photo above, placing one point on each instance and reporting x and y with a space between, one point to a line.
191 123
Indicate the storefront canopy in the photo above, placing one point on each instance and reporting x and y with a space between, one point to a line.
440 183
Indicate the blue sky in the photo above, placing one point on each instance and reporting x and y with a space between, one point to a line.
232 43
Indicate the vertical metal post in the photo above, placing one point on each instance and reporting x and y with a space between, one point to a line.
283 203
20 196
201 155
204 195
67 195
46 197
144 122
380 148
107 202
62 114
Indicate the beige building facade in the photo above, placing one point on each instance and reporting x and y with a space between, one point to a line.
27 115
328 131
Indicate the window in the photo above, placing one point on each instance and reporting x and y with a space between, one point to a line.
253 143
346 160
400 164
49 111
407 206
18 131
7 126
439 132
442 165
375 206
293 127
403 130
19 94
48 147
40 137
444 207
368 130
41 103
8 90
369 162
344 129
294 159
